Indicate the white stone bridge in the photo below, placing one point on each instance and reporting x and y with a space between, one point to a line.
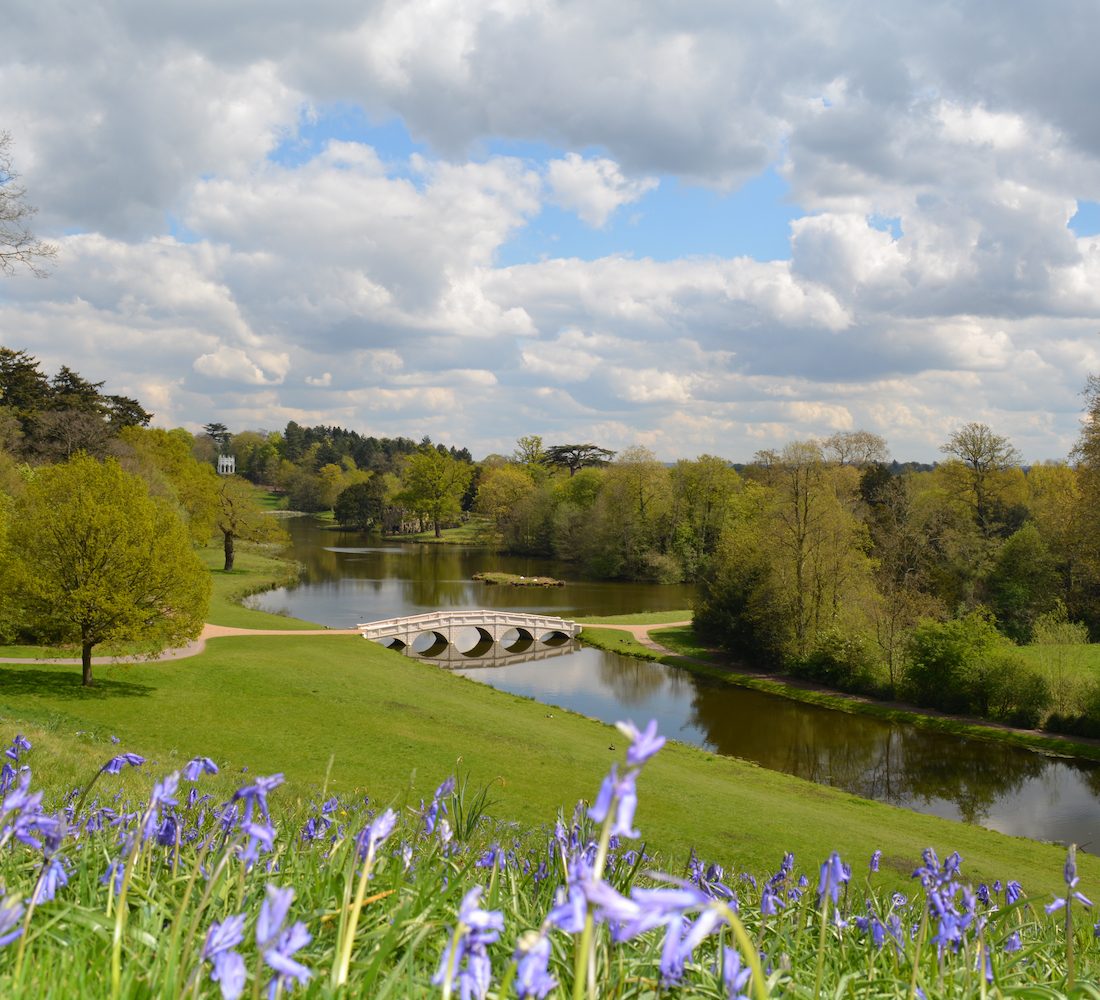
491 626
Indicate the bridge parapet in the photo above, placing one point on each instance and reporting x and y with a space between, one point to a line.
492 625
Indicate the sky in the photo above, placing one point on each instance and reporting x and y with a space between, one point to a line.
698 226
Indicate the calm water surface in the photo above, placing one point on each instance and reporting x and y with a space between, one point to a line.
347 579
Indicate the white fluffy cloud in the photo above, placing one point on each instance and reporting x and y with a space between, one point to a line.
593 188
204 268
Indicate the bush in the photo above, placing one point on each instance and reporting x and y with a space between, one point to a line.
966 666
840 661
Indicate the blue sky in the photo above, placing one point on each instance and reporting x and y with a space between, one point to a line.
698 228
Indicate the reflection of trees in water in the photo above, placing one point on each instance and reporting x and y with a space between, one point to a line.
878 760
634 681
1090 774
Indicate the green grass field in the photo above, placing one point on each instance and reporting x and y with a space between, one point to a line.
395 727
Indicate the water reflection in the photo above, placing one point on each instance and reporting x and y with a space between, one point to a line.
349 577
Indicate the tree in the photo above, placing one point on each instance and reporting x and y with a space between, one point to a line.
984 456
858 448
529 451
239 517
577 456
18 245
362 505
1023 584
219 434
434 483
95 560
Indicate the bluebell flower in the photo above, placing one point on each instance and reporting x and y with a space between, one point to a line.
115 764
375 833
11 912
735 976
532 957
643 745
1013 891
229 968
570 907
255 795
465 959
198 766
1071 879
53 875
875 859
833 874
277 943
1013 942
622 793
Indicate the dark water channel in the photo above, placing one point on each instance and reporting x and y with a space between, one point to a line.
348 578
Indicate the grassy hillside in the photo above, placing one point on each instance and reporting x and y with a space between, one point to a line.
394 727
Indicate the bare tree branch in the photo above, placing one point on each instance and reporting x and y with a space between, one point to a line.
18 245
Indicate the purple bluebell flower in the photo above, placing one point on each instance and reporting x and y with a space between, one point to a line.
18 745
622 793
375 833
1013 942
260 835
255 795
277 943
465 958
229 973
833 874
532 956
1013 891
53 875
198 766
875 859
735 976
11 912
1070 875
570 907
115 764
643 745
229 968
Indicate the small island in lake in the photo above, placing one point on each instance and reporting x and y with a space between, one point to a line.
513 580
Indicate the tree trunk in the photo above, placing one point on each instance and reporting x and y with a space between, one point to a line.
438 533
86 661
228 551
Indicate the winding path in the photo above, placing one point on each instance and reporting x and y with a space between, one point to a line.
640 632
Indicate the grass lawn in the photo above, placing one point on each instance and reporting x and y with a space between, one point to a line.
473 532
253 571
395 727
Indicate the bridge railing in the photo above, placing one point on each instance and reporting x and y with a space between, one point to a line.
466 618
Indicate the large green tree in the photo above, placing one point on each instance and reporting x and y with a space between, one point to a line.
94 559
237 516
433 484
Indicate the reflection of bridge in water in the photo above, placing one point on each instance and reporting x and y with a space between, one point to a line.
500 637
497 655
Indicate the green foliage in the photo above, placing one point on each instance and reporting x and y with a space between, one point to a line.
965 665
96 560
361 506
239 517
1024 583
433 484
839 660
